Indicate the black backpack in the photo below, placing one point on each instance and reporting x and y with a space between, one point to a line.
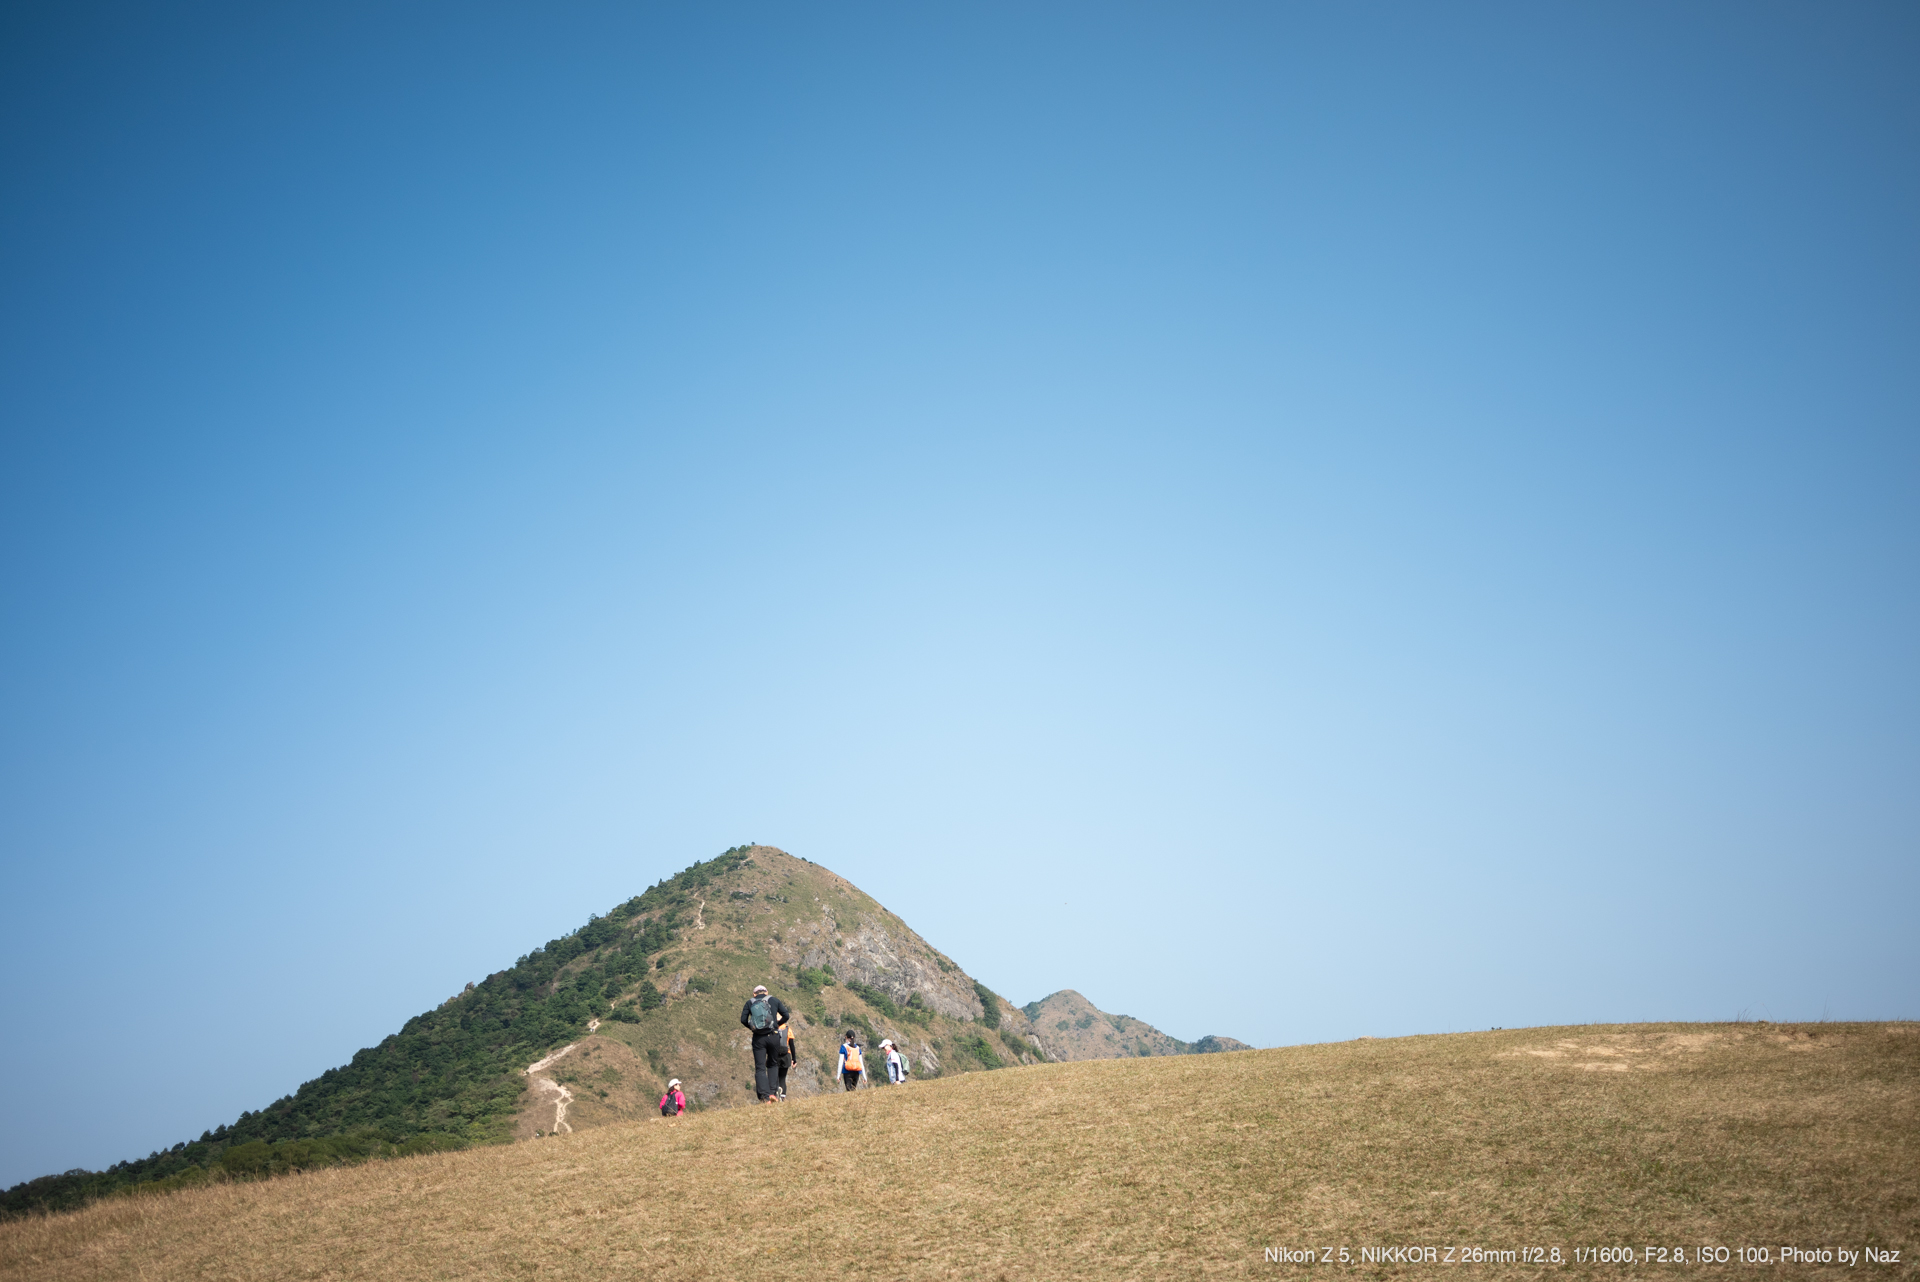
761 1014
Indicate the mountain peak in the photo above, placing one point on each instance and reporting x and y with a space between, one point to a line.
588 1028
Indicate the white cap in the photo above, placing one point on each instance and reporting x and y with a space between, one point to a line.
675 1082
758 989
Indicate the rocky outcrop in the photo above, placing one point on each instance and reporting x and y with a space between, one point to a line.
891 962
859 942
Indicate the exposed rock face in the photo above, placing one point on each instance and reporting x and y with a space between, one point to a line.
860 942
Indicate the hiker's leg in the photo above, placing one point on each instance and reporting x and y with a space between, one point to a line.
762 1052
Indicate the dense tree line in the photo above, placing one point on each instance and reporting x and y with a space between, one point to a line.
450 1077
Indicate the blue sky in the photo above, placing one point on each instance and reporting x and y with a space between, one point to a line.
1296 521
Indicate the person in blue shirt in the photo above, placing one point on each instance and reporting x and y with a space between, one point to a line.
853 1064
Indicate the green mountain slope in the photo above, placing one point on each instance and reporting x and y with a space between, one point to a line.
589 1028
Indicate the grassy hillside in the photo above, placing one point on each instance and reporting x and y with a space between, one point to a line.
449 1078
1567 1139
651 990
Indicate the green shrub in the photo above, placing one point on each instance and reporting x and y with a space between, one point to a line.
811 979
977 1047
651 998
860 1023
874 998
989 1004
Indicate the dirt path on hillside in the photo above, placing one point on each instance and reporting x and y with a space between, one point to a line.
699 914
561 1097
546 1086
541 1065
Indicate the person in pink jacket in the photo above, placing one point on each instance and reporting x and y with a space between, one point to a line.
673 1103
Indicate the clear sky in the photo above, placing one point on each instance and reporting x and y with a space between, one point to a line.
1293 520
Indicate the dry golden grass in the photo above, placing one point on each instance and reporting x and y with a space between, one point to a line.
1631 1135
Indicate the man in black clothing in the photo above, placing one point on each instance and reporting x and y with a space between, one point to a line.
765 1016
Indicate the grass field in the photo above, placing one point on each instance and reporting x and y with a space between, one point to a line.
1735 1136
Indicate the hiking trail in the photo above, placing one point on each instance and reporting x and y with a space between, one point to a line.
547 1086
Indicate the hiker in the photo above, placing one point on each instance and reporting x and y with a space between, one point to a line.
896 1063
674 1102
852 1068
787 1054
763 1015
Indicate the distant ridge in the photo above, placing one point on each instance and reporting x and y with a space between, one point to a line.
1072 1028
588 1028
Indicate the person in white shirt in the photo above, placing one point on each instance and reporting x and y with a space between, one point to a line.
896 1064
